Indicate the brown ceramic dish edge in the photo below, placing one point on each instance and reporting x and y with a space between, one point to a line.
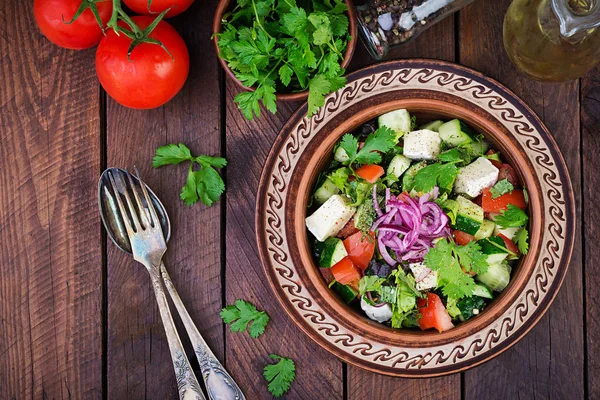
223 7
433 338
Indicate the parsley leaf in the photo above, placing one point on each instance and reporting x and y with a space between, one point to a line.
501 187
380 141
449 259
522 240
204 184
440 175
280 375
512 217
243 313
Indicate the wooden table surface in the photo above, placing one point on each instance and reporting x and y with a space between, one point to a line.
78 318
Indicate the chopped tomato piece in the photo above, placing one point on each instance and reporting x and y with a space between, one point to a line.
491 205
348 230
507 172
497 164
360 248
370 173
433 314
510 245
345 272
463 238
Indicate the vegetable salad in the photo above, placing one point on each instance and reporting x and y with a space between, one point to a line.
419 227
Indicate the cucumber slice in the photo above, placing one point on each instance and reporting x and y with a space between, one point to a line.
482 291
477 148
467 225
398 165
496 277
344 291
492 245
455 133
433 125
408 180
333 250
398 121
486 229
496 258
468 209
325 191
340 155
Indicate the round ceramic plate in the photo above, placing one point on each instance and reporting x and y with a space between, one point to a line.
428 89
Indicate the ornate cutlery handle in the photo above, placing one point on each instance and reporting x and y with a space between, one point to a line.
187 383
219 384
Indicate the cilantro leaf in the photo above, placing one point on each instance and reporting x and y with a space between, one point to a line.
522 240
370 283
339 177
449 259
280 375
512 217
285 74
243 313
501 187
380 141
440 175
318 87
350 145
205 184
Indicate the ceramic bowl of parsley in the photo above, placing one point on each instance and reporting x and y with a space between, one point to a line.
284 50
420 223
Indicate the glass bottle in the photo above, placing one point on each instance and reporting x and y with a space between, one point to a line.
384 24
553 40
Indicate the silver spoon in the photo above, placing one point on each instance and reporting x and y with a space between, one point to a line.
219 384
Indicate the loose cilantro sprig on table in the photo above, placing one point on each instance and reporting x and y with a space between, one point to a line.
449 259
378 142
280 375
512 217
278 46
501 187
204 184
242 313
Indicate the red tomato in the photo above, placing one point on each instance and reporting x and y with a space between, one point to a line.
345 272
152 77
491 205
463 238
497 164
433 314
360 248
158 6
510 245
370 173
507 172
347 230
83 33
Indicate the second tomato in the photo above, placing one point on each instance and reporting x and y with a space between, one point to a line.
158 6
151 77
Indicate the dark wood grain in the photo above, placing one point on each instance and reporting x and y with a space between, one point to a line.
437 42
548 362
318 374
139 364
590 128
50 288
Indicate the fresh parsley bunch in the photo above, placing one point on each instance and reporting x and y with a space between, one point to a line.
281 46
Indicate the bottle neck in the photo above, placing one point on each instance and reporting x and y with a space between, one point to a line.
576 16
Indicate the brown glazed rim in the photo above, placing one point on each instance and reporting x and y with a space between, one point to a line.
223 7
342 331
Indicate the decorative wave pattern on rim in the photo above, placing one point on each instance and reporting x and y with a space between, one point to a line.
553 239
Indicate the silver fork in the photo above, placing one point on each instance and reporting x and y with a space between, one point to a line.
148 246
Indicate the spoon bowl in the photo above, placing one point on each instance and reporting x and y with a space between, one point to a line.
111 216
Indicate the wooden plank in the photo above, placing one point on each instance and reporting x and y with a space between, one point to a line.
437 42
51 285
590 128
139 365
318 374
548 362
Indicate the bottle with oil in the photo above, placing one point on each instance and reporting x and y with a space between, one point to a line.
553 40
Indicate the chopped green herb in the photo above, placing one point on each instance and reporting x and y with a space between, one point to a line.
501 187
243 313
380 141
280 375
512 217
440 175
522 240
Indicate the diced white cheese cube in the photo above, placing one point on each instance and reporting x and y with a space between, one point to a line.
380 314
425 278
475 177
331 217
422 145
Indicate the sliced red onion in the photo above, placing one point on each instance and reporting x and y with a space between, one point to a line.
376 203
370 297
